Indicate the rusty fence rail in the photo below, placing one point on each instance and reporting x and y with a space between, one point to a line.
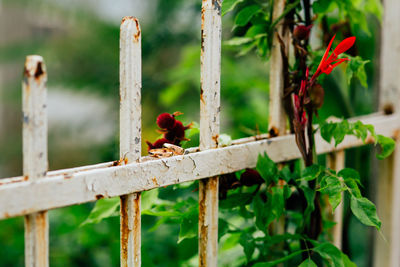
42 190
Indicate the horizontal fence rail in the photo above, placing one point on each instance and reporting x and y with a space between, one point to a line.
73 186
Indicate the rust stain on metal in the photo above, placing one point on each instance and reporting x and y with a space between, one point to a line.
127 18
136 36
41 219
203 229
39 71
120 161
396 134
155 182
201 94
273 132
369 140
388 109
67 175
136 227
12 181
99 196
124 228
203 11
210 187
27 219
281 183
6 215
215 139
42 233
202 42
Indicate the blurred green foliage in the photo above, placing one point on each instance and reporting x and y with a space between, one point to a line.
83 55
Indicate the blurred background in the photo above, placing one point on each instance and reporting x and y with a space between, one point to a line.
79 41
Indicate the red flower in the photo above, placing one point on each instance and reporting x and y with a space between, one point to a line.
327 64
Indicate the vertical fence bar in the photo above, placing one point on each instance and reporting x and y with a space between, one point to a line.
35 162
336 162
209 127
130 135
277 117
388 184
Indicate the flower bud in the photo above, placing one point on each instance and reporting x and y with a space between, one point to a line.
251 177
165 121
316 93
301 32
157 144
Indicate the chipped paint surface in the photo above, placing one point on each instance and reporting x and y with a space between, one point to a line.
35 162
130 135
209 127
277 117
130 230
37 239
83 186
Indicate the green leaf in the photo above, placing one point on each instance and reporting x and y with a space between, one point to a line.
331 186
163 213
348 173
361 130
189 224
374 7
347 262
356 69
286 175
229 5
223 228
104 208
341 130
260 213
247 242
353 186
148 199
309 195
245 15
312 172
235 200
236 41
246 48
256 31
323 6
275 203
275 262
281 238
308 263
365 211
352 179
267 169
330 253
231 241
193 135
387 146
327 130
265 213
333 255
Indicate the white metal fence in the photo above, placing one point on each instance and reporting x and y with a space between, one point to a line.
38 190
